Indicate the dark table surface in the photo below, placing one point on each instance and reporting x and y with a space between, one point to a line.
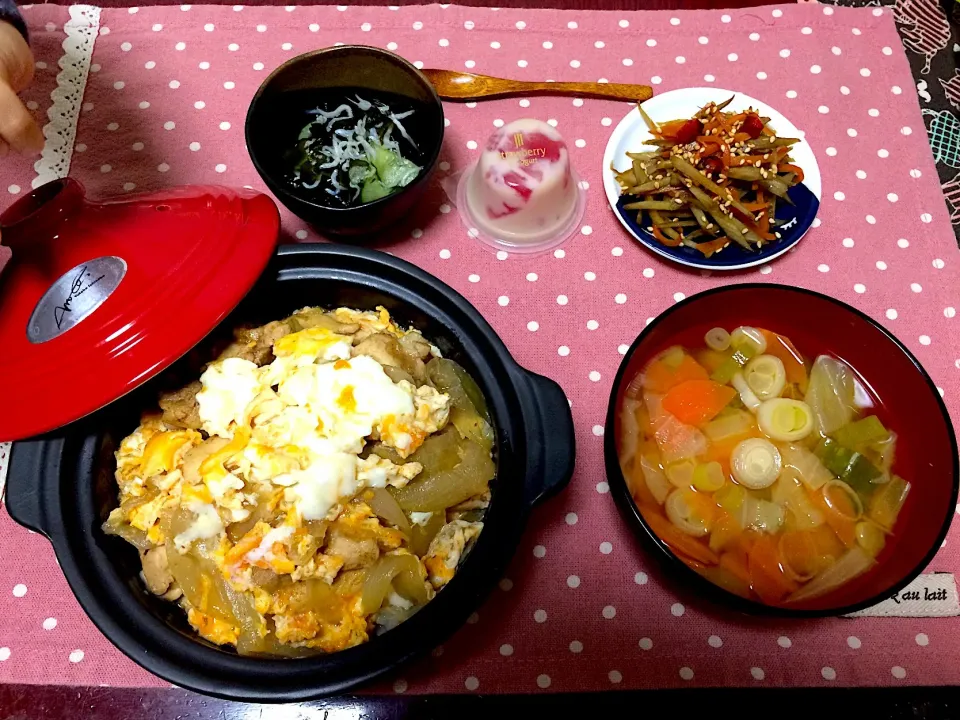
56 702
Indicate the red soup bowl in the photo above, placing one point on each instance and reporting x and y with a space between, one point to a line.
907 402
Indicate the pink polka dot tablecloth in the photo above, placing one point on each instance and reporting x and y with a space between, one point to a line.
581 607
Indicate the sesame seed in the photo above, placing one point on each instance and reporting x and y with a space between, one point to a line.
744 231
777 235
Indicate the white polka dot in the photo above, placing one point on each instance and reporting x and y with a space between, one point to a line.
678 296
926 217
823 267
539 551
823 109
709 78
855 31
473 619
766 270
220 168
258 66
922 639
562 300
533 326
903 243
301 234
506 650
521 25
624 23
831 151
848 242
615 676
19 590
106 168
584 185
163 167
815 69
777 12
645 643
620 298
137 146
50 623
835 50
474 278
854 642
573 582
571 518
400 686
627 62
13 189
609 612
651 43
725 18
851 132
76 656
524 103
158 27
578 102
501 254
540 616
199 104
898 672
594 376
4 654
871 219
113 126
785 53
503 300
791 94
686 673
881 265
543 681
925 340
677 609
640 578
938 264
905 130
703 40
714 641
859 288
576 646
563 351
680 59
761 75
224 125
495 45
574 63
784 642
733 57
605 547
828 673
757 673
603 487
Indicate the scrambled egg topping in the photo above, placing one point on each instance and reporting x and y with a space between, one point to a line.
271 492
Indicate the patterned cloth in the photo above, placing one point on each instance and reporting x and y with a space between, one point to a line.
582 606
932 44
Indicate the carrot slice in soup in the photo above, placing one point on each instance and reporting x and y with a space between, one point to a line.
767 577
659 376
696 401
677 540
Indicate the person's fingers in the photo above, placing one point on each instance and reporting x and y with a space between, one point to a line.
17 126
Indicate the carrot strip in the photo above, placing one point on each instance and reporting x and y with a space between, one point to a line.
781 347
735 562
789 167
696 401
660 377
663 239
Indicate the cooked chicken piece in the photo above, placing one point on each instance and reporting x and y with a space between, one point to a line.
156 573
355 553
387 350
180 407
447 548
415 345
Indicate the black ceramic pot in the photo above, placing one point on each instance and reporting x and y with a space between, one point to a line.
62 485
275 118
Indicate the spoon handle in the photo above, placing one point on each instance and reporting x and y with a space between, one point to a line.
499 88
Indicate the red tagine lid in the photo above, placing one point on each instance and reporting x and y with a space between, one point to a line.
100 297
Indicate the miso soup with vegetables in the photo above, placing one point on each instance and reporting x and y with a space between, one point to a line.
768 472
318 484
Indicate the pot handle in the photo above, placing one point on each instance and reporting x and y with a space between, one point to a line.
550 437
30 462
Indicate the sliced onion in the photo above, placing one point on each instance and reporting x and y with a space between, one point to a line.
470 477
841 486
684 516
379 582
385 506
756 463
747 396
766 376
717 339
785 420
855 562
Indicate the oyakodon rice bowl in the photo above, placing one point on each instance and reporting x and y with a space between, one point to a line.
319 483
63 485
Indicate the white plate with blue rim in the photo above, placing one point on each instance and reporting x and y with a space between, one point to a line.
632 134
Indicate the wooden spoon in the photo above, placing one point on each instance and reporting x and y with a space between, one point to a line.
452 85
